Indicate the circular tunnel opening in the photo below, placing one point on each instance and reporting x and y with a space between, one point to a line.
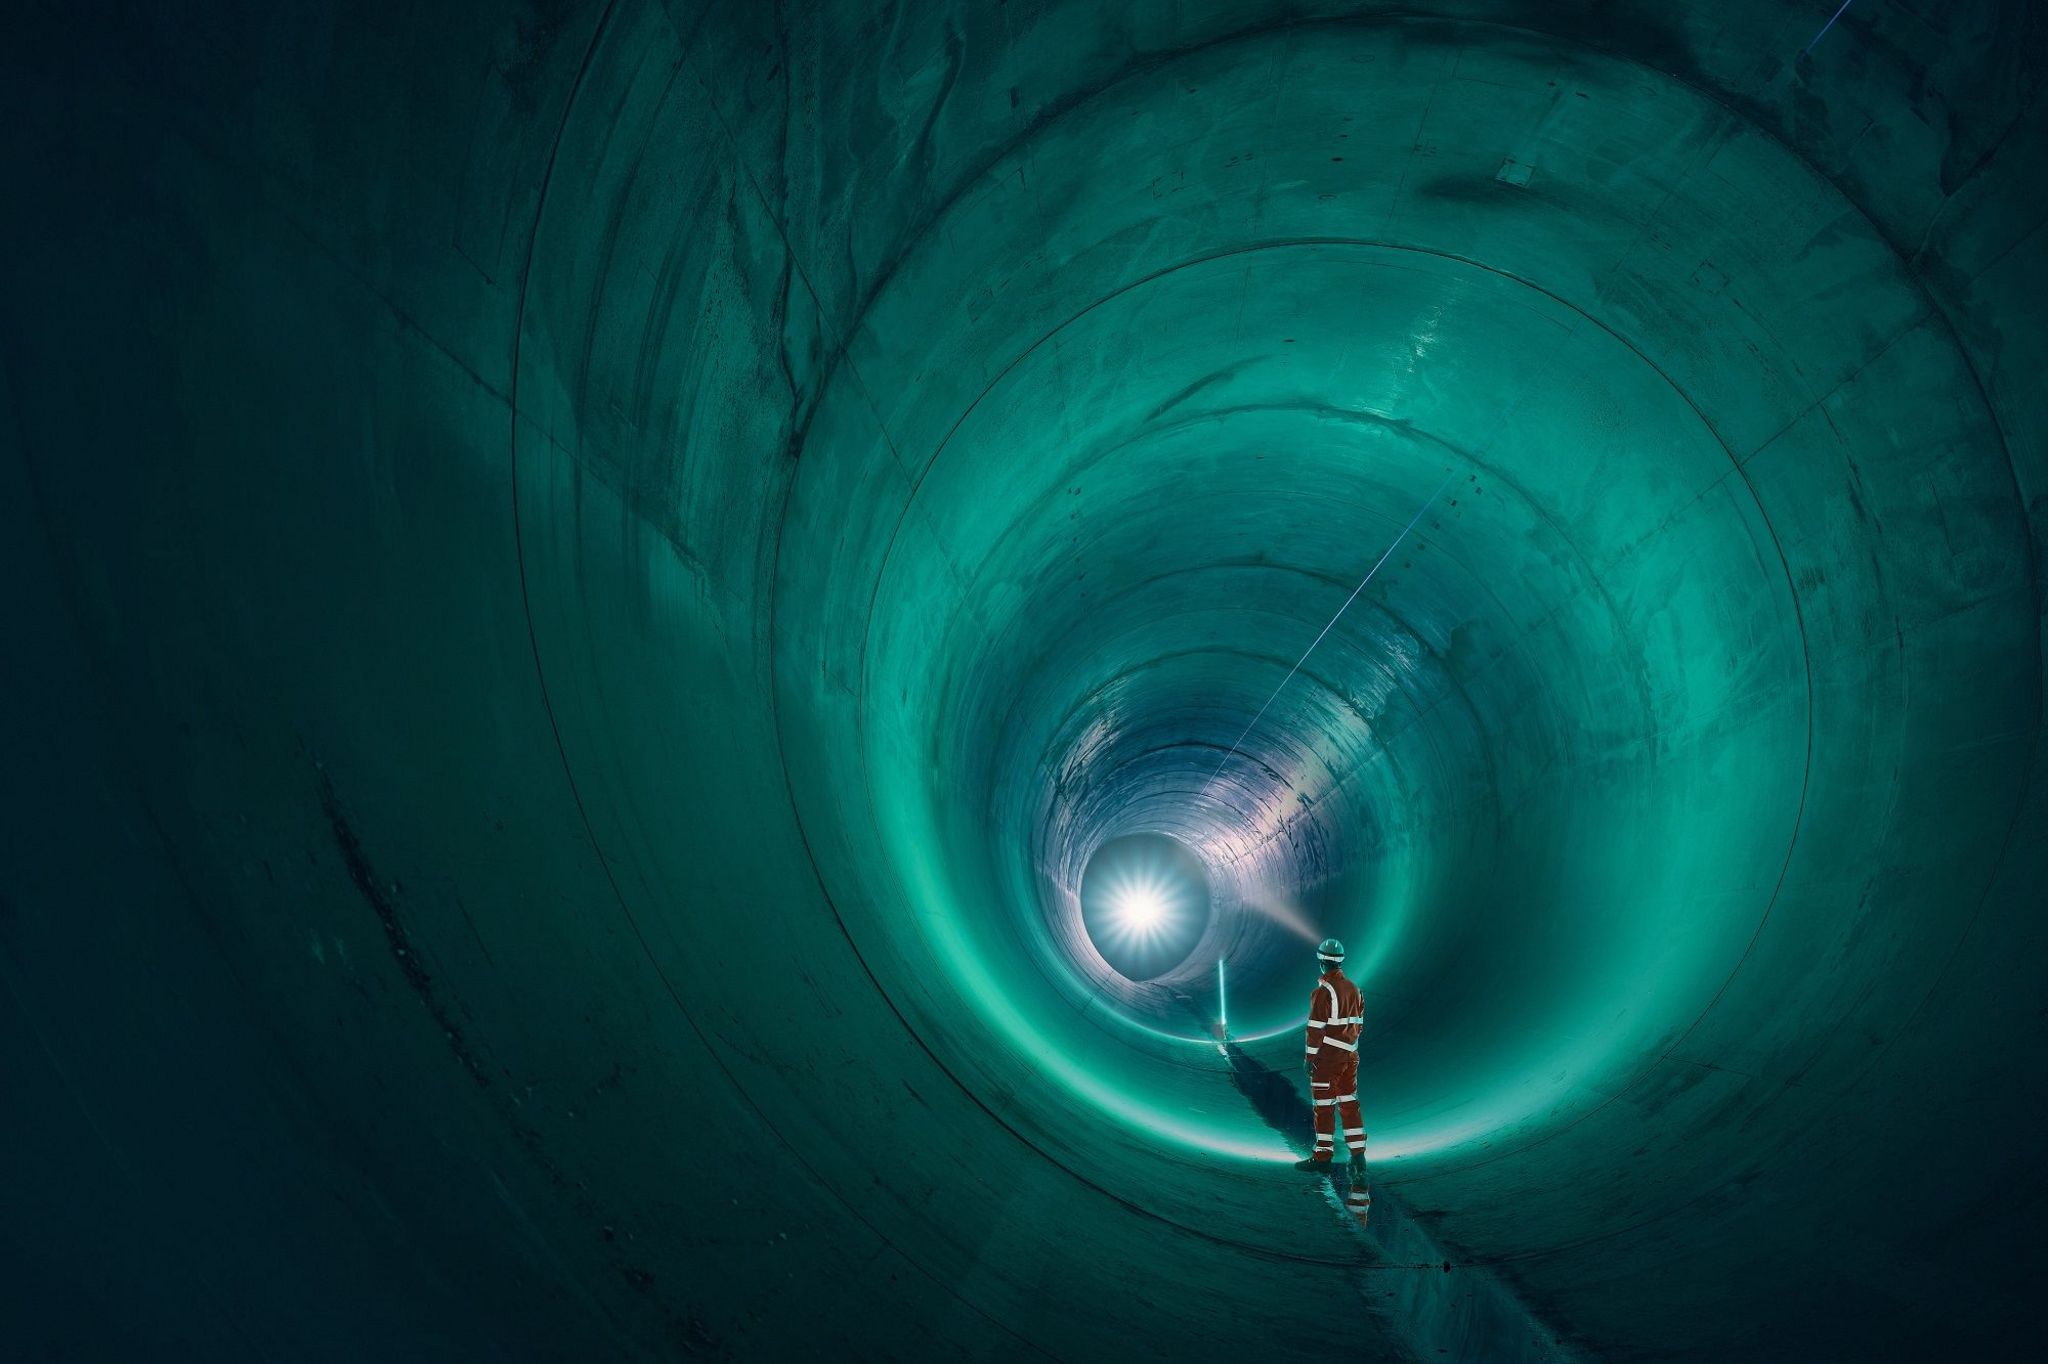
1186 606
1145 904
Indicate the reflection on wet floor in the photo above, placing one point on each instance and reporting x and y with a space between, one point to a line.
1409 1279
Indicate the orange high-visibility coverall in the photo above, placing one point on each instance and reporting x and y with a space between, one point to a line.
1335 1012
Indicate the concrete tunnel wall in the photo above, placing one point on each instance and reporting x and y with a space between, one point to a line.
584 579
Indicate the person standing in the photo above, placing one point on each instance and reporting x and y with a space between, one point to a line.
1336 1013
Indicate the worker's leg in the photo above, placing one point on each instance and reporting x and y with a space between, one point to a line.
1344 1098
1354 1122
1344 1103
1326 1116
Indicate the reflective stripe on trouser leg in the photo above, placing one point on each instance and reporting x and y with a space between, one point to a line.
1343 1091
1333 1079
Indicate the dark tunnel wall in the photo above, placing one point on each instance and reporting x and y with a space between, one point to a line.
585 580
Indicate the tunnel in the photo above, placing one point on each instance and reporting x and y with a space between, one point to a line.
586 583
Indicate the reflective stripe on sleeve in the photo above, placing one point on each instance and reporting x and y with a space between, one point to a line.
1346 1046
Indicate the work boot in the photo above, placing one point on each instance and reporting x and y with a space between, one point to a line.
1322 1163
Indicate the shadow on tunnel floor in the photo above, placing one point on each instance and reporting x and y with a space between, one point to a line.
1273 1097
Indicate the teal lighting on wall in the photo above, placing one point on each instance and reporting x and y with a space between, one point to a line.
595 588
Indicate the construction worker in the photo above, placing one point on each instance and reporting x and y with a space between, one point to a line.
1335 1013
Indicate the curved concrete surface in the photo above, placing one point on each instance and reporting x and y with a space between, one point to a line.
585 581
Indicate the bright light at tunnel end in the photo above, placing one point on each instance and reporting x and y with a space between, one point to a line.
1142 908
1144 902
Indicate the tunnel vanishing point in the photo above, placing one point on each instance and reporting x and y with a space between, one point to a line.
584 583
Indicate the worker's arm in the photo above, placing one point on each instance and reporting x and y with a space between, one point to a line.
1318 1019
